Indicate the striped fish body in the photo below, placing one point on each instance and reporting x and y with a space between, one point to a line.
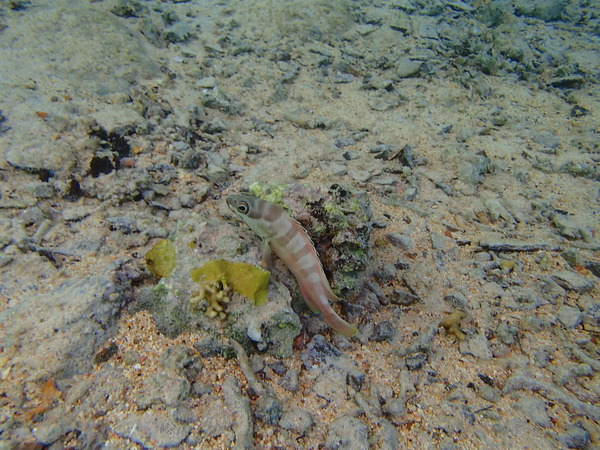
290 242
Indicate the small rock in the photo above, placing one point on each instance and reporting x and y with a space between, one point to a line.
407 67
415 361
403 298
457 301
152 429
347 433
401 241
297 420
569 316
565 373
507 333
565 227
575 437
268 409
360 175
383 331
290 381
477 346
386 274
534 410
572 281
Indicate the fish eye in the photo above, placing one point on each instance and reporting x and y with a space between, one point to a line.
243 208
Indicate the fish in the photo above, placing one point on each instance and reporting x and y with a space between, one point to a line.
286 237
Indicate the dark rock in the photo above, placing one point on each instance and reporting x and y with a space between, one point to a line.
106 353
403 298
383 331
415 361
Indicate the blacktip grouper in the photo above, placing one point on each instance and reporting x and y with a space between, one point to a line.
289 241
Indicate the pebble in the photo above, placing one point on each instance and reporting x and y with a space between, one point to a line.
569 316
347 433
297 420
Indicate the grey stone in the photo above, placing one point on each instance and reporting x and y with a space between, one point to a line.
54 427
395 407
386 274
182 360
290 380
268 409
407 67
383 331
477 346
572 281
457 300
61 330
403 298
546 10
534 409
236 401
401 241
347 433
360 175
507 333
565 373
569 316
297 420
212 421
415 361
565 227
178 32
167 388
574 437
152 429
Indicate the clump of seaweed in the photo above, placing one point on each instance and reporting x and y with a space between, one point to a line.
214 296
160 259
219 277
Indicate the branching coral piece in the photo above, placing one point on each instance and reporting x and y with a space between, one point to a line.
215 295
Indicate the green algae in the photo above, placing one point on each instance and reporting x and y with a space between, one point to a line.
160 259
250 281
270 192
